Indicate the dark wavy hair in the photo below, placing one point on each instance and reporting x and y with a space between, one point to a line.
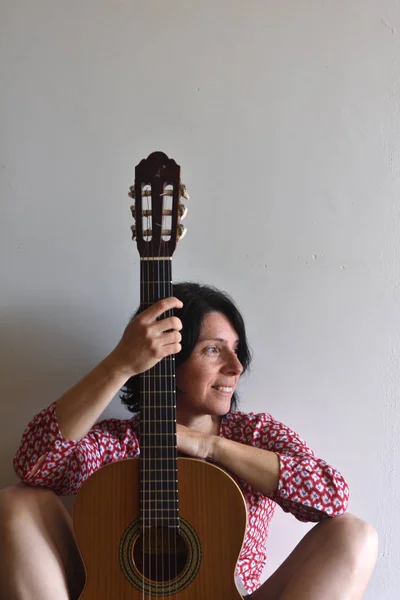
198 300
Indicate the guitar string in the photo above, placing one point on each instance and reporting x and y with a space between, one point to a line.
166 286
167 474
147 410
161 293
173 473
159 486
176 195
158 452
142 388
143 403
167 368
150 438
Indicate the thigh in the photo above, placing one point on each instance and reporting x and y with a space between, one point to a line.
324 542
274 586
38 514
60 521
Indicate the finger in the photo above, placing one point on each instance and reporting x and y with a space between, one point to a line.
168 324
171 337
156 310
171 349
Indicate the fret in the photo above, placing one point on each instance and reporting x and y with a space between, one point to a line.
155 282
157 460
160 475
163 481
158 440
159 481
157 454
159 486
154 510
160 258
163 421
161 500
159 368
152 520
155 270
159 411
163 446
148 470
158 391
153 406
159 387
156 375
158 433
154 294
175 525
164 412
170 521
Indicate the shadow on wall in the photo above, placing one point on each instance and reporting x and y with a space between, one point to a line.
42 354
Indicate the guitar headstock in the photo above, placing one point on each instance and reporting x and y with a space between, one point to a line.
157 209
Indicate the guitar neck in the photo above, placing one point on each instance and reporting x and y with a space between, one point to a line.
159 487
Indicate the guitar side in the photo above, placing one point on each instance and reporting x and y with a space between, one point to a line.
106 521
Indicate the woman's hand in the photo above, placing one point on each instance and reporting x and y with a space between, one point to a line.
147 340
194 443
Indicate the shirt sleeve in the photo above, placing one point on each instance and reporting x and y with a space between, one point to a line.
308 487
66 464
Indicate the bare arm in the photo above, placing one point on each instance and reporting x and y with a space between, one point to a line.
144 343
260 468
80 407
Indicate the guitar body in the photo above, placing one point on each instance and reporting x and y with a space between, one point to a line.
213 517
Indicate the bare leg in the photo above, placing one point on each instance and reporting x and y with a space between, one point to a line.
334 561
39 559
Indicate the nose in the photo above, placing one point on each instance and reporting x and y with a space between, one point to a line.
233 364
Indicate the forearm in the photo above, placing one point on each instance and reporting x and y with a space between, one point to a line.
260 468
80 407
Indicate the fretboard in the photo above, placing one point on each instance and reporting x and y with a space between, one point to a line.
159 485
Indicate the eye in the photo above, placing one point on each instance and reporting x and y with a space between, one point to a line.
212 350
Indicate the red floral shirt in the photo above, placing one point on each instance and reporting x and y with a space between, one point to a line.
308 487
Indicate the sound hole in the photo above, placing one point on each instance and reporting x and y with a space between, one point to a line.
160 554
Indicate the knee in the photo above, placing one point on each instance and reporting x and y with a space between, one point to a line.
17 500
358 538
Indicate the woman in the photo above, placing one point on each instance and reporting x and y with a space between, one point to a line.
63 445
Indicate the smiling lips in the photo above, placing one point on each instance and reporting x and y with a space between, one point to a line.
222 388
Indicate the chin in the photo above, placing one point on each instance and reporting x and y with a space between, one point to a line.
220 408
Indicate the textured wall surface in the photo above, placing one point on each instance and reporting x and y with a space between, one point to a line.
285 118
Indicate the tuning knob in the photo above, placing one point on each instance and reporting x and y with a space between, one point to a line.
133 211
131 192
183 191
133 229
182 211
181 231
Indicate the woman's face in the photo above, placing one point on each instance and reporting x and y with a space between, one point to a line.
207 379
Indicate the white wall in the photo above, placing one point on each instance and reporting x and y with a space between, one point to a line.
285 118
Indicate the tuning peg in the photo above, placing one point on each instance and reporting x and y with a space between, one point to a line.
133 229
131 192
183 191
133 211
181 231
182 211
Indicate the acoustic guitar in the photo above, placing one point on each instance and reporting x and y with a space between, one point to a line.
159 526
